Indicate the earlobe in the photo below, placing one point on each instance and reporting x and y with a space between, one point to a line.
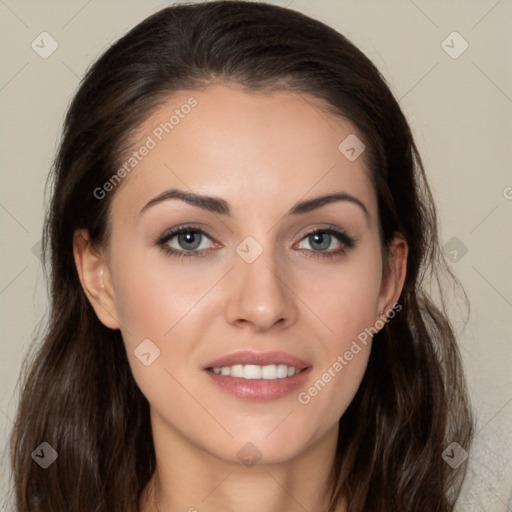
95 279
394 275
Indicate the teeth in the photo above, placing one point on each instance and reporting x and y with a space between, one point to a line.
251 371
254 371
237 370
282 371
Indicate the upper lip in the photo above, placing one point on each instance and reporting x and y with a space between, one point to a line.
258 358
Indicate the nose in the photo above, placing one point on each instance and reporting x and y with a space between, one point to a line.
260 295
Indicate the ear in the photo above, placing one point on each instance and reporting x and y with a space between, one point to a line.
393 277
95 279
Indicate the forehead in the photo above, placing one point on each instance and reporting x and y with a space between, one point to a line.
258 151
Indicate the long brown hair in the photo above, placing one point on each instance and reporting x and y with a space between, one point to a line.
78 393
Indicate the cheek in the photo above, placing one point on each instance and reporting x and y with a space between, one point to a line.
155 300
162 301
153 294
349 296
347 307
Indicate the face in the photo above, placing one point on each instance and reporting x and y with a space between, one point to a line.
243 326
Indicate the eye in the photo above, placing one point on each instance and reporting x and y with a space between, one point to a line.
184 242
321 239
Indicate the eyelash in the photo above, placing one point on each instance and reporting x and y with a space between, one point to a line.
347 242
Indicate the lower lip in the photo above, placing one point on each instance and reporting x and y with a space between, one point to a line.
259 389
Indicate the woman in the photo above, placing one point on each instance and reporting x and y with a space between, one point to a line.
240 239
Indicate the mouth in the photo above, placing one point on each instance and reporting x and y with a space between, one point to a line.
258 376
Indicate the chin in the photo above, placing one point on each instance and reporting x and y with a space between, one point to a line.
258 446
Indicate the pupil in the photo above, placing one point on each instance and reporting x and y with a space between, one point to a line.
317 237
188 238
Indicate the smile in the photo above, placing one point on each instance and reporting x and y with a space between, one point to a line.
258 376
254 371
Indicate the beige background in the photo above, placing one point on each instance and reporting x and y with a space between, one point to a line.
461 113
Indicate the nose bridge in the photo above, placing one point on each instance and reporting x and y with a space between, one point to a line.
260 295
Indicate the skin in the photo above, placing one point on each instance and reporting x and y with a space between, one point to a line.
262 153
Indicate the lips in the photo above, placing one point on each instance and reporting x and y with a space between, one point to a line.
259 359
258 376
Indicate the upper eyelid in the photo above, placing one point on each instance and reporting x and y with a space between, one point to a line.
171 232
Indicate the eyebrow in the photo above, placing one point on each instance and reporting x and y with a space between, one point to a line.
218 205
